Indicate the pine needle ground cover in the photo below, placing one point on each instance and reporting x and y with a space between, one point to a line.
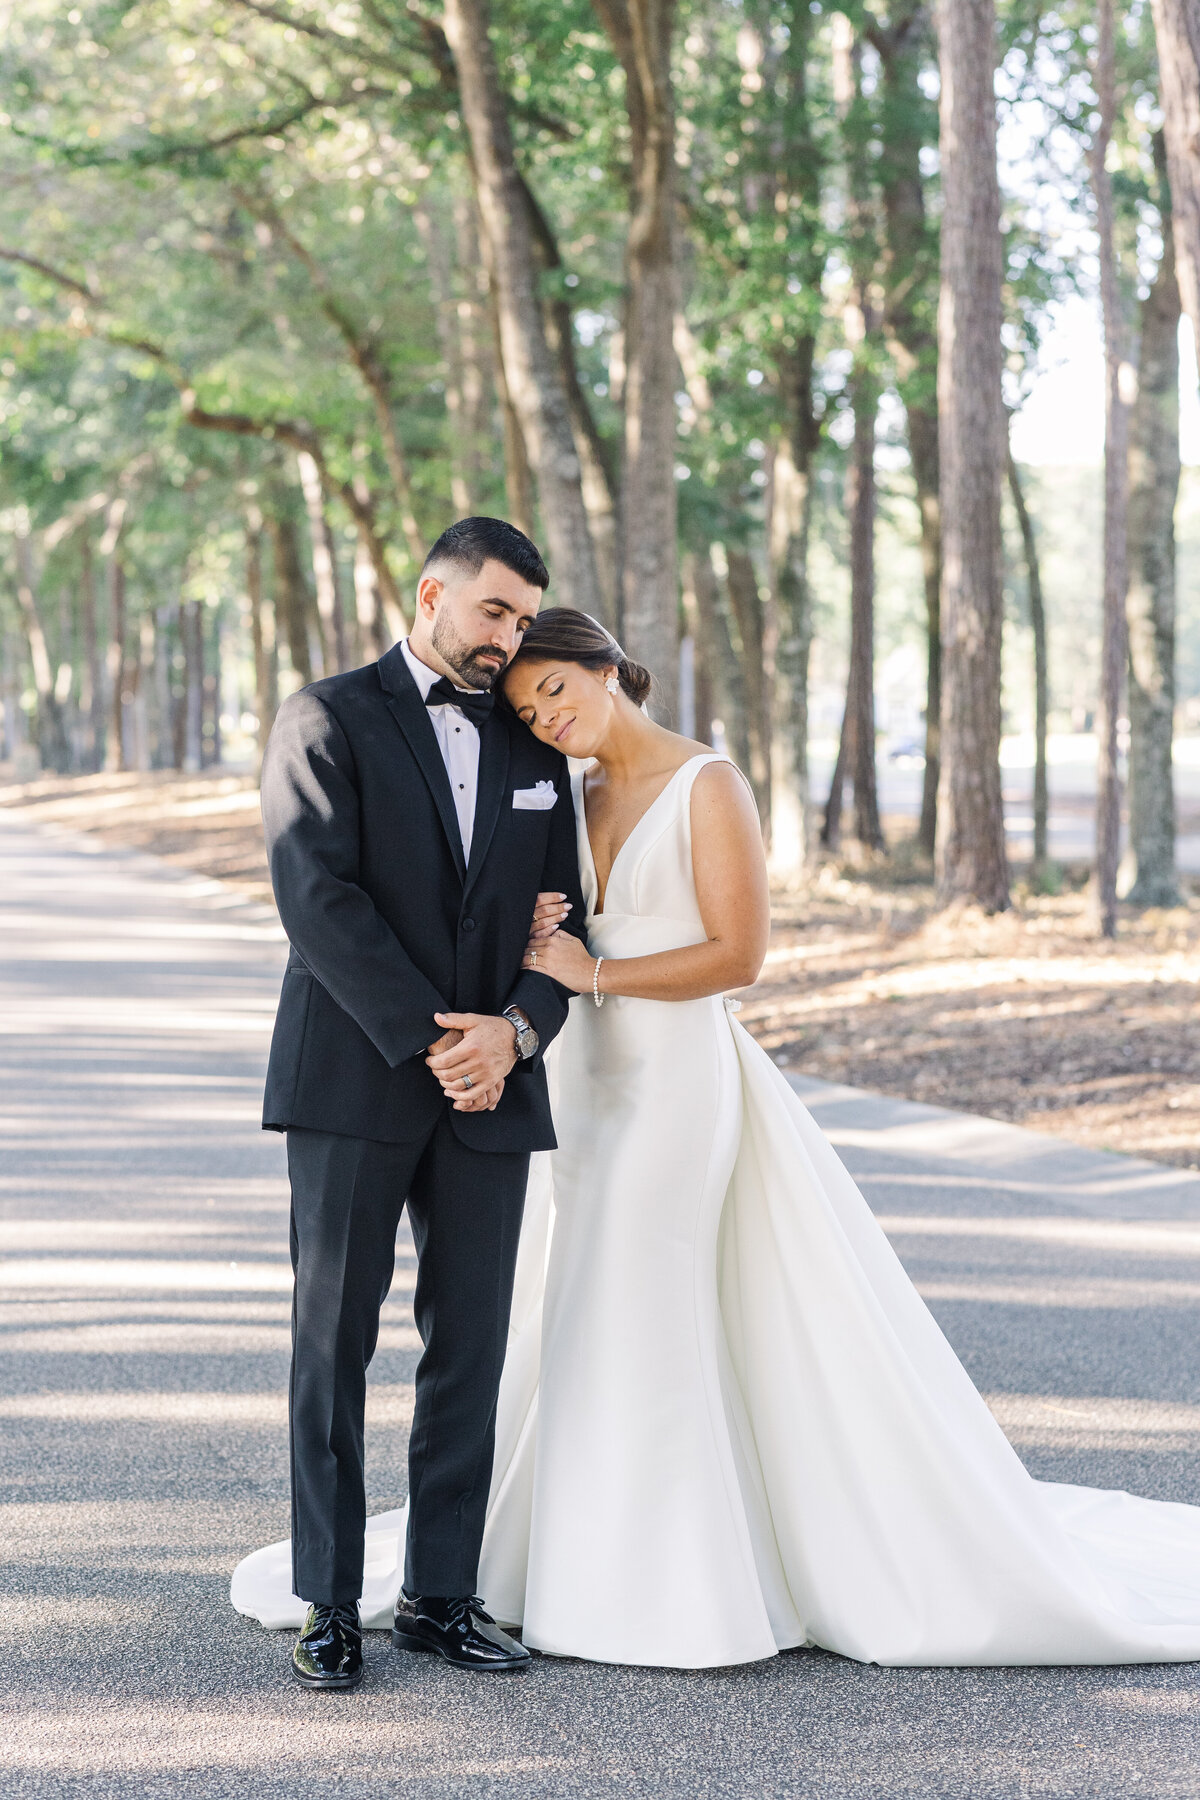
1027 1015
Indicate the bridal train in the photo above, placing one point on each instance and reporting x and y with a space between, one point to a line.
728 1424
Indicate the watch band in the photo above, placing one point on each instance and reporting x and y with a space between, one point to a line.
527 1037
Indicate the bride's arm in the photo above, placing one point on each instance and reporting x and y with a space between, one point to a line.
730 872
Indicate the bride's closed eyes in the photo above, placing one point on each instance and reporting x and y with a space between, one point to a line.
564 704
526 714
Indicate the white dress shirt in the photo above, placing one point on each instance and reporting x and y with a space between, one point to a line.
458 740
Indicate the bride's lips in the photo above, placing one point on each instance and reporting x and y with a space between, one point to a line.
560 735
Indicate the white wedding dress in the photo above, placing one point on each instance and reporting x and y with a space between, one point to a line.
728 1424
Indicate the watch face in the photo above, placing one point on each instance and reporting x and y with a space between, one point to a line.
527 1037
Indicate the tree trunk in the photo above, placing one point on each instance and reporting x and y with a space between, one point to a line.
291 592
92 701
598 485
117 756
131 677
192 632
373 633
796 186
475 359
1041 679
451 311
397 463
10 686
738 671
746 602
114 655
371 546
640 31
1150 600
163 709
1116 491
789 517
211 689
972 863
331 611
64 678
262 634
698 625
728 672
857 756
518 476
178 681
533 378
923 449
909 272
53 746
1177 32
831 824
143 693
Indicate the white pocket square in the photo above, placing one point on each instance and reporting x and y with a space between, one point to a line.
535 799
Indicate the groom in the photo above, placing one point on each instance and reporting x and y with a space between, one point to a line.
410 824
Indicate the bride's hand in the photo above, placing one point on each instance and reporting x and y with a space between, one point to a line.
564 959
548 915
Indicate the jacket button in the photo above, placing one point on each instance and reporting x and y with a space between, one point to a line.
468 924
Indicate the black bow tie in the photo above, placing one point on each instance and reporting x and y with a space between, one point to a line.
476 705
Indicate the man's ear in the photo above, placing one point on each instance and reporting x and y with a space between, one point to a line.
429 592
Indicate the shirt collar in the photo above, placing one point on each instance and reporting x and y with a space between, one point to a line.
421 673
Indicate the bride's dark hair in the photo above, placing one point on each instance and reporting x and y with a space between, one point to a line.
563 634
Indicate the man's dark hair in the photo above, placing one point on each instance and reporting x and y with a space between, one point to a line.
469 543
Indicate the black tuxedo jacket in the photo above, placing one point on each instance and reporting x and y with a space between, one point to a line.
387 926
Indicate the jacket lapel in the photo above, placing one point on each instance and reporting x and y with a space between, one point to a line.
489 793
412 716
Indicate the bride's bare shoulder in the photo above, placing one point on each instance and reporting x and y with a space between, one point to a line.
721 780
726 830
681 749
724 783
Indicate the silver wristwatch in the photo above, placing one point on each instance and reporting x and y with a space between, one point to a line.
527 1037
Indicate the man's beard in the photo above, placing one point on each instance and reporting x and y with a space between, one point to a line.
465 659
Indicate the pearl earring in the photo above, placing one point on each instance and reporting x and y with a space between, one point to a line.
612 684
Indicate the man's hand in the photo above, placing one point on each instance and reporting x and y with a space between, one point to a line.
447 1041
478 1099
485 1052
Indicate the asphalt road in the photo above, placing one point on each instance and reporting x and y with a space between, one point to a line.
143 1360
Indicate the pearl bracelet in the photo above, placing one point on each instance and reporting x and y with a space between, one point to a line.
597 996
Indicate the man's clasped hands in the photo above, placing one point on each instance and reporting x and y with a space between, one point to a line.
477 1050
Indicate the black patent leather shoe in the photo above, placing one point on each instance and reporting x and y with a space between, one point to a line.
458 1630
328 1652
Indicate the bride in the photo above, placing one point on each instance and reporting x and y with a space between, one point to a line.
728 1425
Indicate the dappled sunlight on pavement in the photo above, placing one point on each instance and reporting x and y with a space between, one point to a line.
144 1334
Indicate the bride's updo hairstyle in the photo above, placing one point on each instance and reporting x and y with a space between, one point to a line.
563 634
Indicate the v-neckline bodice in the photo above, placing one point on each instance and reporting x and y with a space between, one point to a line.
668 784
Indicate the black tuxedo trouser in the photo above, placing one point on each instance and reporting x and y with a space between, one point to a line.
465 1210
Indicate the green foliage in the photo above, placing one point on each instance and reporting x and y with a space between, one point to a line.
258 208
